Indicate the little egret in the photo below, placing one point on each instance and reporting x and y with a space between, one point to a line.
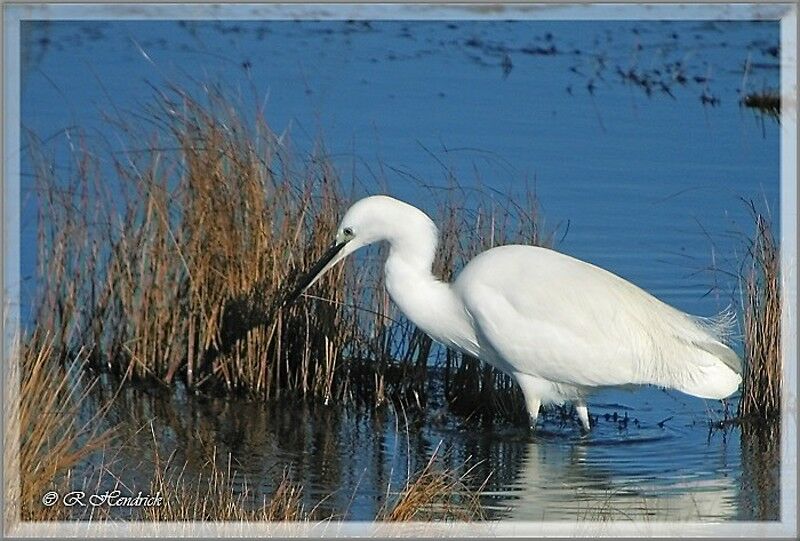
558 325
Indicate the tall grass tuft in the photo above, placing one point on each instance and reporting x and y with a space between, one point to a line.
163 265
45 434
761 390
434 494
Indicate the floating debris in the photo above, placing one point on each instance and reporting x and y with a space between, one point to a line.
539 51
507 65
767 102
709 99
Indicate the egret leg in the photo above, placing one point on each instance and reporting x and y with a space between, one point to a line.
583 414
531 390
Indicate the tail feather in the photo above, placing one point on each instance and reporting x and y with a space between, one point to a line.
714 373
712 382
722 352
723 326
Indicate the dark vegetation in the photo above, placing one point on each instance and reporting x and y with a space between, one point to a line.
767 102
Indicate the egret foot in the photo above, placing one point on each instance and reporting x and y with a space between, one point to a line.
533 412
583 415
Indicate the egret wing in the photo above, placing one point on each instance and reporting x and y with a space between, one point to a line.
554 317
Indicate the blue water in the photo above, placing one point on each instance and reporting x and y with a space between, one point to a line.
645 185
649 185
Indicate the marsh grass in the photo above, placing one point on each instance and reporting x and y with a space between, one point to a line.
762 378
170 278
45 435
435 493
166 262
222 495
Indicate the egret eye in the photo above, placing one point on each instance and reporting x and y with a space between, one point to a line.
348 231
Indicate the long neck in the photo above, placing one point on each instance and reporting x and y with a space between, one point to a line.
430 304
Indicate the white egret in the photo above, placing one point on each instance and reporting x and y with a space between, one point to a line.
558 325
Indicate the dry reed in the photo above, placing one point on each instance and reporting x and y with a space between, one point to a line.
168 266
174 273
223 495
435 494
48 435
761 389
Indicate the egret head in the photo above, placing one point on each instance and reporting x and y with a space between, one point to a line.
369 220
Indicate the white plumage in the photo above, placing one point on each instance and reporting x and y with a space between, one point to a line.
561 327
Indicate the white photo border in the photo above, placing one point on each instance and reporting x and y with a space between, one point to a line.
14 14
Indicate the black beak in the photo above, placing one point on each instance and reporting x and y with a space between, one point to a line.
305 279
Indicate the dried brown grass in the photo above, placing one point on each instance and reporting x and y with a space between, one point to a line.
166 266
171 278
435 494
45 435
223 495
761 389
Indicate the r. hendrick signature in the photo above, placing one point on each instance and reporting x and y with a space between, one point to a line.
110 498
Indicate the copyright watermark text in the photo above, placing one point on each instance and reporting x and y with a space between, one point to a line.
109 498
